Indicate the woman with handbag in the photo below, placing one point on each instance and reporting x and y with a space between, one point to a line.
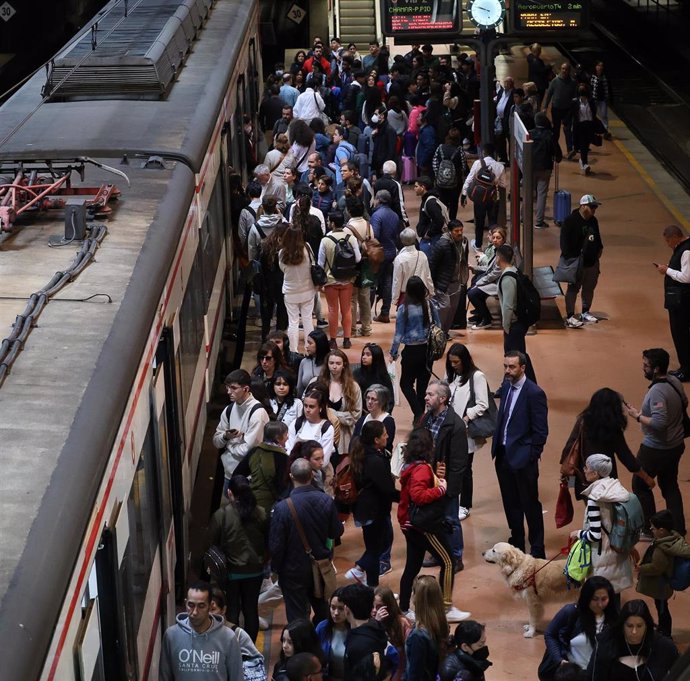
412 325
376 492
600 429
470 398
421 516
572 633
295 261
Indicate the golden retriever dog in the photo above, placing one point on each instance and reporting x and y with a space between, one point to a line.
535 580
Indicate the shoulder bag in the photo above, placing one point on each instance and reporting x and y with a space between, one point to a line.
686 418
571 461
322 570
484 426
568 270
318 273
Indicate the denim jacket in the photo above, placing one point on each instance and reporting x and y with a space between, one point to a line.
409 326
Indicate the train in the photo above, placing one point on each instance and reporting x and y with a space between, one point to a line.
104 406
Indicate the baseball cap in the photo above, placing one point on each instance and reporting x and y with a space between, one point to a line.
589 200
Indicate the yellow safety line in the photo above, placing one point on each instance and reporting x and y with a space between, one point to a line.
652 184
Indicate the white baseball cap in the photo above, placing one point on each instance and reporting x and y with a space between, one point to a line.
589 200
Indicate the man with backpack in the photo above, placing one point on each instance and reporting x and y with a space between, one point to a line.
433 215
450 168
482 186
510 287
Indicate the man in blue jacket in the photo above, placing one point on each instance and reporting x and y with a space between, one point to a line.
318 516
521 432
385 224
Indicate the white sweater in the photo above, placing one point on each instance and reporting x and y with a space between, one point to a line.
297 284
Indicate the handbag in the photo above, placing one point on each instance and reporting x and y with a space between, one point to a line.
253 669
429 517
372 249
322 570
318 273
482 427
564 506
572 462
568 270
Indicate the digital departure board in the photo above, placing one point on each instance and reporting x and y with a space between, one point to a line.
412 17
549 15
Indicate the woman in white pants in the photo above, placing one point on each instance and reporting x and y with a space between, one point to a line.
295 262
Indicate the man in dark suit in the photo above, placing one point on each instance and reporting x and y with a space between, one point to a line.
521 432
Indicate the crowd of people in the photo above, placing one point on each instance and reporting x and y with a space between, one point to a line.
309 440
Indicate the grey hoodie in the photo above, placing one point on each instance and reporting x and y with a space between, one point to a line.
214 655
267 223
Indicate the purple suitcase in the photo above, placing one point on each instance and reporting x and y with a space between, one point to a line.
409 170
561 203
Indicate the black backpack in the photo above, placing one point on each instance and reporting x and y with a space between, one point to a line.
528 299
447 176
482 189
344 264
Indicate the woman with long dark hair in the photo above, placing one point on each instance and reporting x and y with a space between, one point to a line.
269 359
601 425
332 633
344 395
286 407
316 349
298 289
312 451
298 636
298 62
292 359
419 487
302 143
631 649
240 529
412 324
313 425
469 397
376 492
571 636
372 369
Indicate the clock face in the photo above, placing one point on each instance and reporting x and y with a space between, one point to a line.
486 13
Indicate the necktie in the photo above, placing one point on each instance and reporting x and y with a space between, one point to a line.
506 412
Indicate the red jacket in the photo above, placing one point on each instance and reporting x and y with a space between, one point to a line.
309 64
417 483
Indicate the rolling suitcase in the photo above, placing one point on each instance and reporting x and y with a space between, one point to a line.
561 203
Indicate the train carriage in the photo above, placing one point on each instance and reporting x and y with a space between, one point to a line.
103 410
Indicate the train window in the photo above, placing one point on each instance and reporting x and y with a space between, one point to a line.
212 237
191 326
253 77
138 560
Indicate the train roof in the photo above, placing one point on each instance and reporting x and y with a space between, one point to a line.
61 406
177 126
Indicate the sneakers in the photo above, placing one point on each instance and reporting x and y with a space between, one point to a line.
410 616
458 565
384 568
430 561
590 318
263 624
347 343
571 154
321 323
573 323
357 574
481 325
463 513
541 225
453 614
383 319
333 344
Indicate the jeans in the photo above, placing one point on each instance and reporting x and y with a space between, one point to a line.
417 545
386 553
447 303
385 285
427 245
374 536
299 598
588 282
679 321
414 370
361 301
661 463
338 297
482 213
294 312
542 179
665 620
456 540
467 488
243 597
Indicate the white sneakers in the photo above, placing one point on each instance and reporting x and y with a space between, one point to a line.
263 623
357 574
463 513
573 323
586 317
453 614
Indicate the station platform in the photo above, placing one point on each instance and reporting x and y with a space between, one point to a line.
638 200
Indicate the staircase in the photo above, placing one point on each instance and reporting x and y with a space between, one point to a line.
357 19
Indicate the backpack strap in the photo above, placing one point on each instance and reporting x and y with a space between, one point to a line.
251 211
507 274
325 425
261 231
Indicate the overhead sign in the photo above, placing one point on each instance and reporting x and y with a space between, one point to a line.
549 15
7 11
412 17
